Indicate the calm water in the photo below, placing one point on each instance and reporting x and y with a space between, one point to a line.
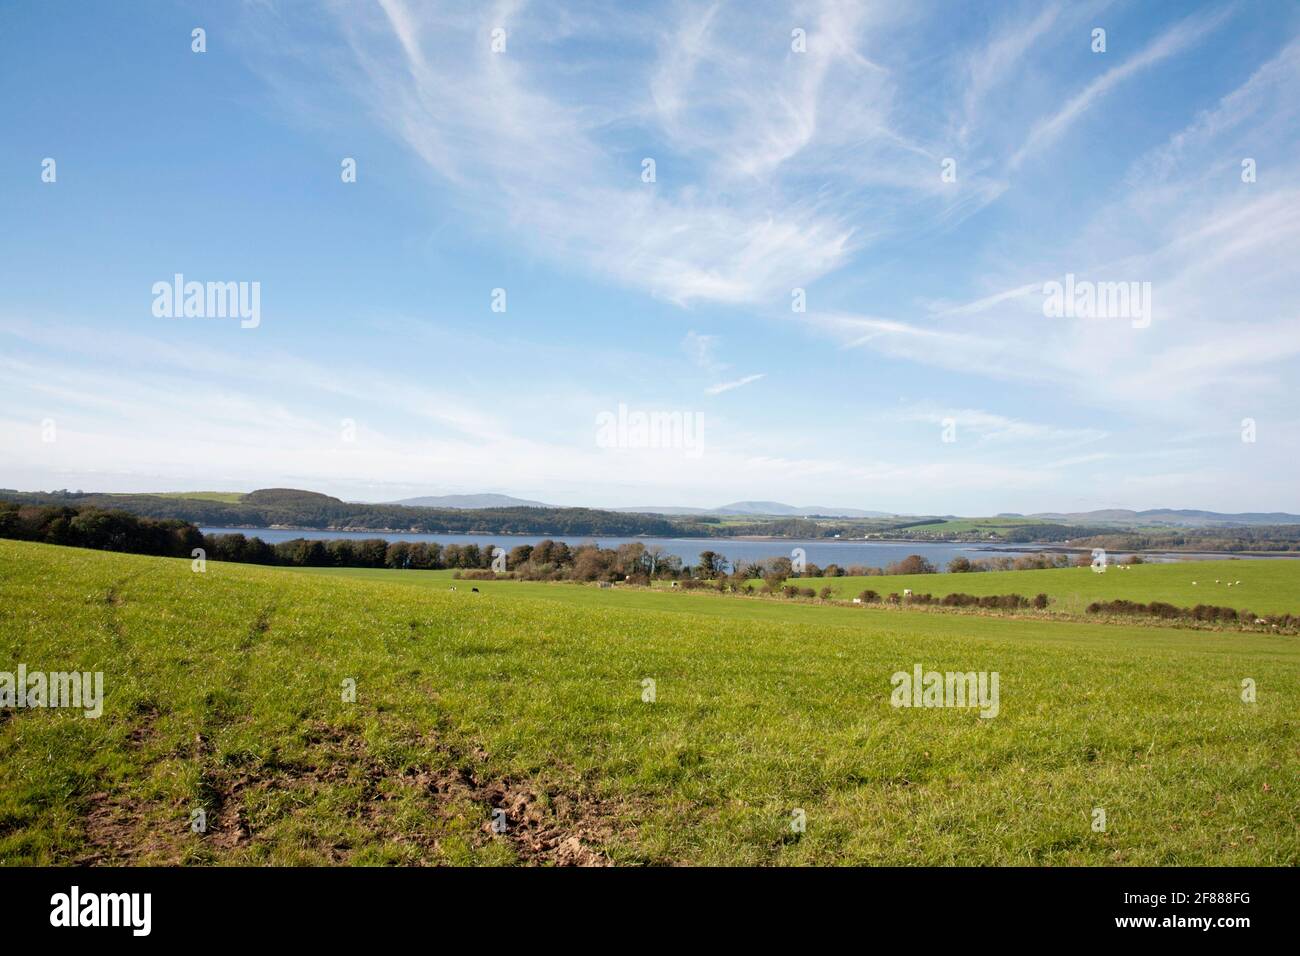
819 551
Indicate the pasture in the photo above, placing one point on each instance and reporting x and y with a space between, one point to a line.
1268 585
603 728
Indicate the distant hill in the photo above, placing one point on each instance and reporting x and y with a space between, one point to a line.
289 508
286 497
757 509
1171 516
663 510
791 511
469 502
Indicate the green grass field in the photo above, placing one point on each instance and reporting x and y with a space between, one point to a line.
974 526
1268 586
229 497
223 693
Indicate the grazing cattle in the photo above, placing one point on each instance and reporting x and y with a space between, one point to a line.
907 592
475 590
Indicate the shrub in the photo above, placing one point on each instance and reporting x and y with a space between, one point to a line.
912 564
479 574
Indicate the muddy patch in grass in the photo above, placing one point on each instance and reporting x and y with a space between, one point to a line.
248 797
543 828
117 832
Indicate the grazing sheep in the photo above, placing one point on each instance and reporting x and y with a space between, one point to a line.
907 592
1238 582
452 588
1193 584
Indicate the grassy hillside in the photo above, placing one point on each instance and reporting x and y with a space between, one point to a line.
1268 586
230 497
975 526
223 693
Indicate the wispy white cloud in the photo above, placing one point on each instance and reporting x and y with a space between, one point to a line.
728 386
1173 41
995 63
990 426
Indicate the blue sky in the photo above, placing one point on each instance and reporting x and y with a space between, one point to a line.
522 169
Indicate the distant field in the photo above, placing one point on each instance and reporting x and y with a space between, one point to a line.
223 694
230 497
985 526
1268 586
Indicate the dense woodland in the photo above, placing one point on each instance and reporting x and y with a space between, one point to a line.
302 509
1237 539
102 530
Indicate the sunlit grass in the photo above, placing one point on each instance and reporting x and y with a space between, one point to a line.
223 691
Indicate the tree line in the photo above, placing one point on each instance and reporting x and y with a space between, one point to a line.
284 507
119 530
100 529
